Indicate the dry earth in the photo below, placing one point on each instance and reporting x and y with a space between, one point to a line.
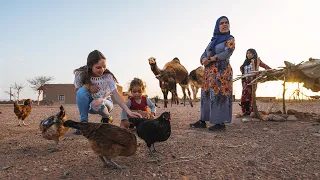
251 150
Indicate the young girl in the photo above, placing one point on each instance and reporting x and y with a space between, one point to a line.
94 84
138 102
252 63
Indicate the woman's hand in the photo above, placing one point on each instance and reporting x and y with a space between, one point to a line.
213 58
96 104
94 89
231 44
134 114
205 61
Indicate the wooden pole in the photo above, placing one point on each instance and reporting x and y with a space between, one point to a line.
299 93
254 101
10 94
283 96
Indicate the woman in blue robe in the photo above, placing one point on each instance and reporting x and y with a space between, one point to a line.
216 92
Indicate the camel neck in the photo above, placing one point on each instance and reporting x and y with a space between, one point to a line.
155 69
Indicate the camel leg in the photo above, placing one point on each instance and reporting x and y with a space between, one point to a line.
189 94
165 97
194 92
172 97
174 94
183 87
197 89
177 98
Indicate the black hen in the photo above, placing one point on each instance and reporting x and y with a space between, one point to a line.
152 131
107 140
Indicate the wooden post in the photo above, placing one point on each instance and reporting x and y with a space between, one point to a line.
254 101
283 96
10 94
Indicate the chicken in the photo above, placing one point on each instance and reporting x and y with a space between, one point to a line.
107 140
152 131
22 111
52 128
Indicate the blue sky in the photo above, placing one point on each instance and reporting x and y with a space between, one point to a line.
51 38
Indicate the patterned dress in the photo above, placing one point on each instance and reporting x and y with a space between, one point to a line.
246 95
105 83
216 92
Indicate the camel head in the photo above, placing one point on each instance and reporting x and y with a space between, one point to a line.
153 65
152 61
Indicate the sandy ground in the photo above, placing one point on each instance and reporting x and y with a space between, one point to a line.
251 150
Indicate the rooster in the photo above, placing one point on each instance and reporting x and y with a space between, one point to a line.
107 140
152 131
22 111
52 128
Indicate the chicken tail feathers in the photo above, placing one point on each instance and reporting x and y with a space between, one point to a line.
73 124
85 128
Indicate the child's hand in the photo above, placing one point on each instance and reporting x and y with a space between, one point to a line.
134 114
94 89
144 114
153 115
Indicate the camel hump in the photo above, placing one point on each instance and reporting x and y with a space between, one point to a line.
176 60
175 63
200 68
193 75
196 74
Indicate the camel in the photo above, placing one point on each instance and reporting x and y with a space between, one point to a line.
196 80
168 85
171 74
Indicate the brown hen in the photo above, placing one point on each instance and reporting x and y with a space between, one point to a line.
107 140
52 128
22 111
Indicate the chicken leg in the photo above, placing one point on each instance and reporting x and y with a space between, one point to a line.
110 164
22 123
105 163
52 149
153 151
116 166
